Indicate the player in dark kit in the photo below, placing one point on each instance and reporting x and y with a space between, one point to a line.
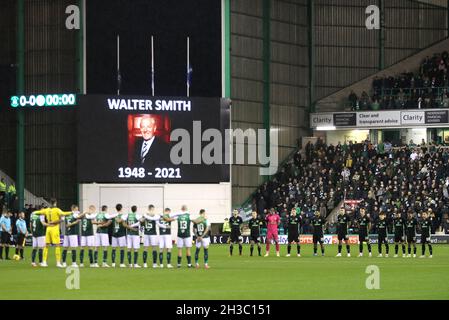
364 223
398 224
254 238
342 231
236 224
410 229
318 223
381 227
426 232
294 226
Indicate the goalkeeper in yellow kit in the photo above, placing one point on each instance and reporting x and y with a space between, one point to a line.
53 216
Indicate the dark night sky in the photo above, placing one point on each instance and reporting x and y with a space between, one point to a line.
170 21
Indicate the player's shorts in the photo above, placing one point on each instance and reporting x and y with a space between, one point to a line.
411 238
88 241
204 243
70 241
425 239
293 237
119 242
235 237
102 240
133 242
52 235
5 238
150 240
382 238
363 237
318 238
39 242
343 236
272 236
165 241
20 239
254 238
399 238
184 242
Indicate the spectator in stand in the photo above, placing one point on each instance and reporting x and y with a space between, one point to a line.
2 192
445 218
353 99
425 89
413 155
11 195
226 227
14 218
365 101
381 148
388 147
375 105
345 173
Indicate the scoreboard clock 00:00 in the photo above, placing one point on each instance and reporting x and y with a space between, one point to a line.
44 100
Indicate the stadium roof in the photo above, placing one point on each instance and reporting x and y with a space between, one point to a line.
439 3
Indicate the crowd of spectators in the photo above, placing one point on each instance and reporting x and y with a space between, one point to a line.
386 179
8 194
427 88
8 206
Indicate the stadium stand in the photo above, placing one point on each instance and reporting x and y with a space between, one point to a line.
427 88
390 179
8 201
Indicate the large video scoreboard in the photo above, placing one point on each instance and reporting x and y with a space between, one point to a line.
135 139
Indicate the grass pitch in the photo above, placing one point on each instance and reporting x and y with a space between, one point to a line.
239 277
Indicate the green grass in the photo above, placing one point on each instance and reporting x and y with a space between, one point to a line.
242 277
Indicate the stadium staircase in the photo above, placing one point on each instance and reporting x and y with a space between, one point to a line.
335 102
29 197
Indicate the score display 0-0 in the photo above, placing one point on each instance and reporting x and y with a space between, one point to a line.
43 100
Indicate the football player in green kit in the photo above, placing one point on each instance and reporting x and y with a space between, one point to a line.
201 231
103 221
71 234
150 238
87 236
131 222
184 234
38 228
165 239
118 236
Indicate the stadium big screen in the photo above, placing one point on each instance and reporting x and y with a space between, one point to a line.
126 139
